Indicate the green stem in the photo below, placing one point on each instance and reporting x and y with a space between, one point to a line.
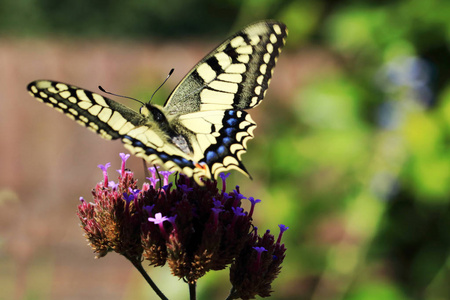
138 265
232 294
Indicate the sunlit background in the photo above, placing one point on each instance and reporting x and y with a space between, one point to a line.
351 150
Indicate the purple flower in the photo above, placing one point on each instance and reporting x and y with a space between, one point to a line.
124 158
209 230
128 198
113 185
260 250
237 196
166 175
253 202
172 221
153 170
224 177
217 203
238 211
283 228
153 181
149 208
159 220
225 197
104 168
185 188
135 192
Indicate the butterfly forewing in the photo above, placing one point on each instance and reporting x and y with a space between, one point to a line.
233 76
100 114
203 129
112 120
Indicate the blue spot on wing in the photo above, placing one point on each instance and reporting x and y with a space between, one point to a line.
211 156
222 150
232 122
230 131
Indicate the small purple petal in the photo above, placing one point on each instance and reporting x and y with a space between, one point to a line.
217 203
105 167
225 197
158 219
238 211
124 159
259 249
172 219
238 195
166 175
153 181
283 228
224 176
216 210
185 188
128 198
167 187
149 208
253 202
135 192
112 184
153 170
124 156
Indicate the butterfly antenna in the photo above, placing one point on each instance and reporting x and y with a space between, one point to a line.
117 95
159 177
170 74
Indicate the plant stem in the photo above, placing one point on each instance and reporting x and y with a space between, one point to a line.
232 294
192 292
138 265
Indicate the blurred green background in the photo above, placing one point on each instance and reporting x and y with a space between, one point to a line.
351 150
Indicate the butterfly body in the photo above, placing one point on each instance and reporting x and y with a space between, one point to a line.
203 128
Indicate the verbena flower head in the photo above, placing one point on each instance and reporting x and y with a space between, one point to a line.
191 228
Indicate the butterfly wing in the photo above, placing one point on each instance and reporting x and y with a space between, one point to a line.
112 120
211 98
233 76
219 138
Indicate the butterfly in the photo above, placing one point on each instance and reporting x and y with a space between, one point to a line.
203 129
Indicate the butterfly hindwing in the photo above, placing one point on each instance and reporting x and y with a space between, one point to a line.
203 129
220 137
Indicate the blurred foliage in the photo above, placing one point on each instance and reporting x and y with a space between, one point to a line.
357 161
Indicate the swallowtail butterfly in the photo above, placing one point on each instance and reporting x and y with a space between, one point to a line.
203 128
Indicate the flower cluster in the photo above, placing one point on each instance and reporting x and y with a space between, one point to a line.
192 228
